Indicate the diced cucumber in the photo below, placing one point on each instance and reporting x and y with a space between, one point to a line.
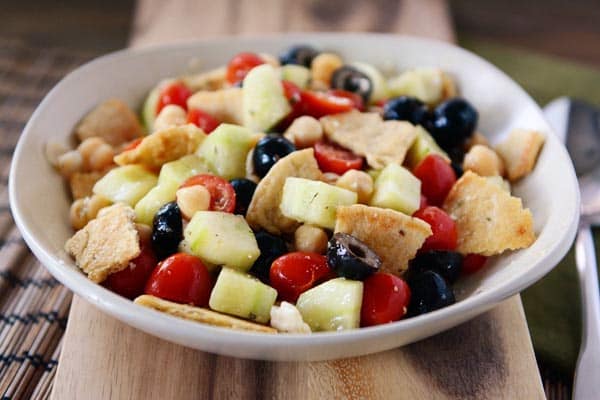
397 188
297 74
243 295
127 184
225 150
313 202
220 238
379 91
146 208
332 306
423 145
173 173
264 102
426 84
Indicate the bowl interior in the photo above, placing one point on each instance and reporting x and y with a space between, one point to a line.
40 201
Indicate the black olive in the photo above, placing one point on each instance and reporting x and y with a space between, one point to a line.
429 292
271 247
244 190
446 263
268 151
352 80
458 169
300 54
454 121
405 108
351 258
167 230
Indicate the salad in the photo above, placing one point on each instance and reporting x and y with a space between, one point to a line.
298 193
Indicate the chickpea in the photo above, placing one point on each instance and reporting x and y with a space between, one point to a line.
310 238
170 115
270 59
304 132
323 66
53 152
86 209
477 138
483 161
330 178
192 199
359 182
69 163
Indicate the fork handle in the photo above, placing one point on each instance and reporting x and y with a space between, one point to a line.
587 374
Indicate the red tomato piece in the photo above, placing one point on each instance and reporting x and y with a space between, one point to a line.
222 194
294 273
332 158
444 235
181 278
319 104
385 299
359 104
437 178
472 263
240 65
294 95
175 93
130 282
423 202
202 120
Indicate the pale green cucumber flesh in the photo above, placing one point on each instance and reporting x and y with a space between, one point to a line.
127 184
397 188
264 102
225 150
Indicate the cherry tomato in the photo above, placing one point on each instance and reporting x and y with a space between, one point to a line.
133 144
175 93
130 282
319 104
444 235
181 278
222 194
423 202
472 263
294 273
294 95
385 299
332 158
240 65
437 178
359 104
202 120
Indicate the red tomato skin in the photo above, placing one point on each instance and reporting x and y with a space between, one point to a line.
385 299
320 104
423 202
294 273
357 101
472 263
181 278
202 120
240 65
294 95
130 282
444 235
332 158
222 194
437 178
175 93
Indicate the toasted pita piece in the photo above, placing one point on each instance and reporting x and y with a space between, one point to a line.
366 134
82 183
208 80
393 236
201 314
159 148
263 211
488 219
225 105
106 244
519 152
113 121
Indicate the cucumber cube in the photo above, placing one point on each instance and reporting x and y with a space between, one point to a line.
313 202
220 238
149 109
243 295
397 188
426 84
332 306
127 184
225 150
423 145
148 206
264 102
297 74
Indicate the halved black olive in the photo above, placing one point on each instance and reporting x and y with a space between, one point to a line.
351 258
352 80
167 230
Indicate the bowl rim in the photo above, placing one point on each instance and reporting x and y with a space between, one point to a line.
136 315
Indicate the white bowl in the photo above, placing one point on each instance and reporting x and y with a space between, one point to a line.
40 204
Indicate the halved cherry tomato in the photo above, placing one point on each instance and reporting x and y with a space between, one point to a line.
181 278
294 273
472 263
437 178
222 194
385 299
332 158
359 104
202 120
294 95
133 144
319 104
444 235
130 282
175 93
238 67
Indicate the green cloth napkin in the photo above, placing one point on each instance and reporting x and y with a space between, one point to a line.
552 305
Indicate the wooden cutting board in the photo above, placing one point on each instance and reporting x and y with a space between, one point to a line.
490 357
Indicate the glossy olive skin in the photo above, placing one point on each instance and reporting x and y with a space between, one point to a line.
453 122
350 258
352 80
406 108
446 263
268 151
167 230
271 247
300 55
244 190
429 292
